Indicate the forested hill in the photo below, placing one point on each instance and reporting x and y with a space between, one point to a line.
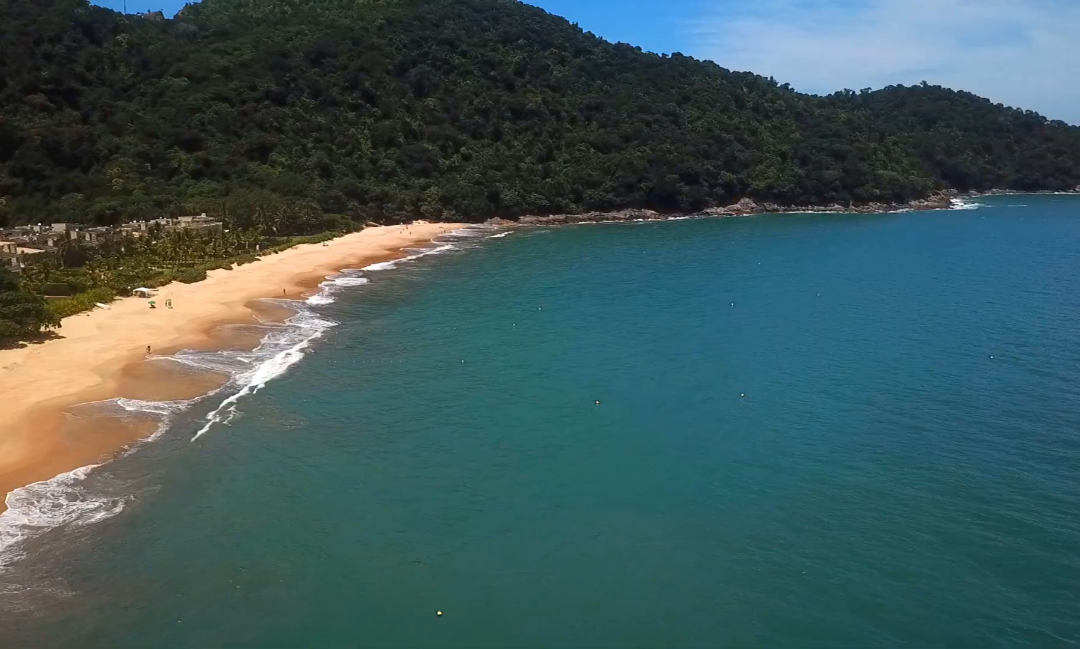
391 109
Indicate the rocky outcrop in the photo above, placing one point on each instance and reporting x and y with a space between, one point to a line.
745 207
593 217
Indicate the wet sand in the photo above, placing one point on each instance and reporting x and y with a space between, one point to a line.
102 354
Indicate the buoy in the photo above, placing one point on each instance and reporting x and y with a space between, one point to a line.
597 402
742 395
991 355
732 304
463 360
438 613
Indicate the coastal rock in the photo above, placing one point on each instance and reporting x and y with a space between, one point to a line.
631 214
543 220
746 206
640 214
742 208
938 200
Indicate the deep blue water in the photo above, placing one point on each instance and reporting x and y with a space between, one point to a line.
812 430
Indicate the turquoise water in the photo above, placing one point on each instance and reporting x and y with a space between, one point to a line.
903 467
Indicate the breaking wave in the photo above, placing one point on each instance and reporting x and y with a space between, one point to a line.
81 497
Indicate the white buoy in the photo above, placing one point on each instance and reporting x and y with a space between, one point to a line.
991 355
742 395
438 613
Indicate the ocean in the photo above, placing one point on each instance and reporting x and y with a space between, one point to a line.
782 430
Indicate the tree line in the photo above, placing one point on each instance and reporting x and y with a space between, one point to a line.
290 118
386 110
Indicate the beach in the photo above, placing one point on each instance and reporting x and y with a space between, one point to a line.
100 354
747 432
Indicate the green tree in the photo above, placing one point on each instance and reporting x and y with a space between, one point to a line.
22 314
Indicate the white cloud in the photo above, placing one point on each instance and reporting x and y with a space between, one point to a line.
1023 53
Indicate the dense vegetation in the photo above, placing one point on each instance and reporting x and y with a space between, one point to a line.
78 276
291 118
22 313
384 110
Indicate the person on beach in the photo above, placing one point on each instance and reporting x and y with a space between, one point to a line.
148 350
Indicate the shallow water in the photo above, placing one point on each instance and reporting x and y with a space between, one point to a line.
902 468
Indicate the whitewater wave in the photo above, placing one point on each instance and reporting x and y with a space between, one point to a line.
960 204
41 506
70 498
332 285
285 351
66 499
278 354
500 235
393 263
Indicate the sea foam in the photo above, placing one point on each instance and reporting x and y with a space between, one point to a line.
68 499
278 354
65 499
393 263
960 204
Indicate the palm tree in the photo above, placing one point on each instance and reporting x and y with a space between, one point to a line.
41 270
34 274
99 273
64 249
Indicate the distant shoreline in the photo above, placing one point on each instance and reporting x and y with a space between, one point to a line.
93 357
944 200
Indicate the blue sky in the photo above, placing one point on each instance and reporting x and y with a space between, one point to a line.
1021 53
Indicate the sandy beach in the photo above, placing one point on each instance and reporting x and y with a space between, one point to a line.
100 354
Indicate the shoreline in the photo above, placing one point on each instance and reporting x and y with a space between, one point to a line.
100 354
944 200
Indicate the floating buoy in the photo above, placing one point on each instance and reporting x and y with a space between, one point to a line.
438 613
732 304
991 355
597 402
742 395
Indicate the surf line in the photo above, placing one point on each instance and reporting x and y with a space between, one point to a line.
311 327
